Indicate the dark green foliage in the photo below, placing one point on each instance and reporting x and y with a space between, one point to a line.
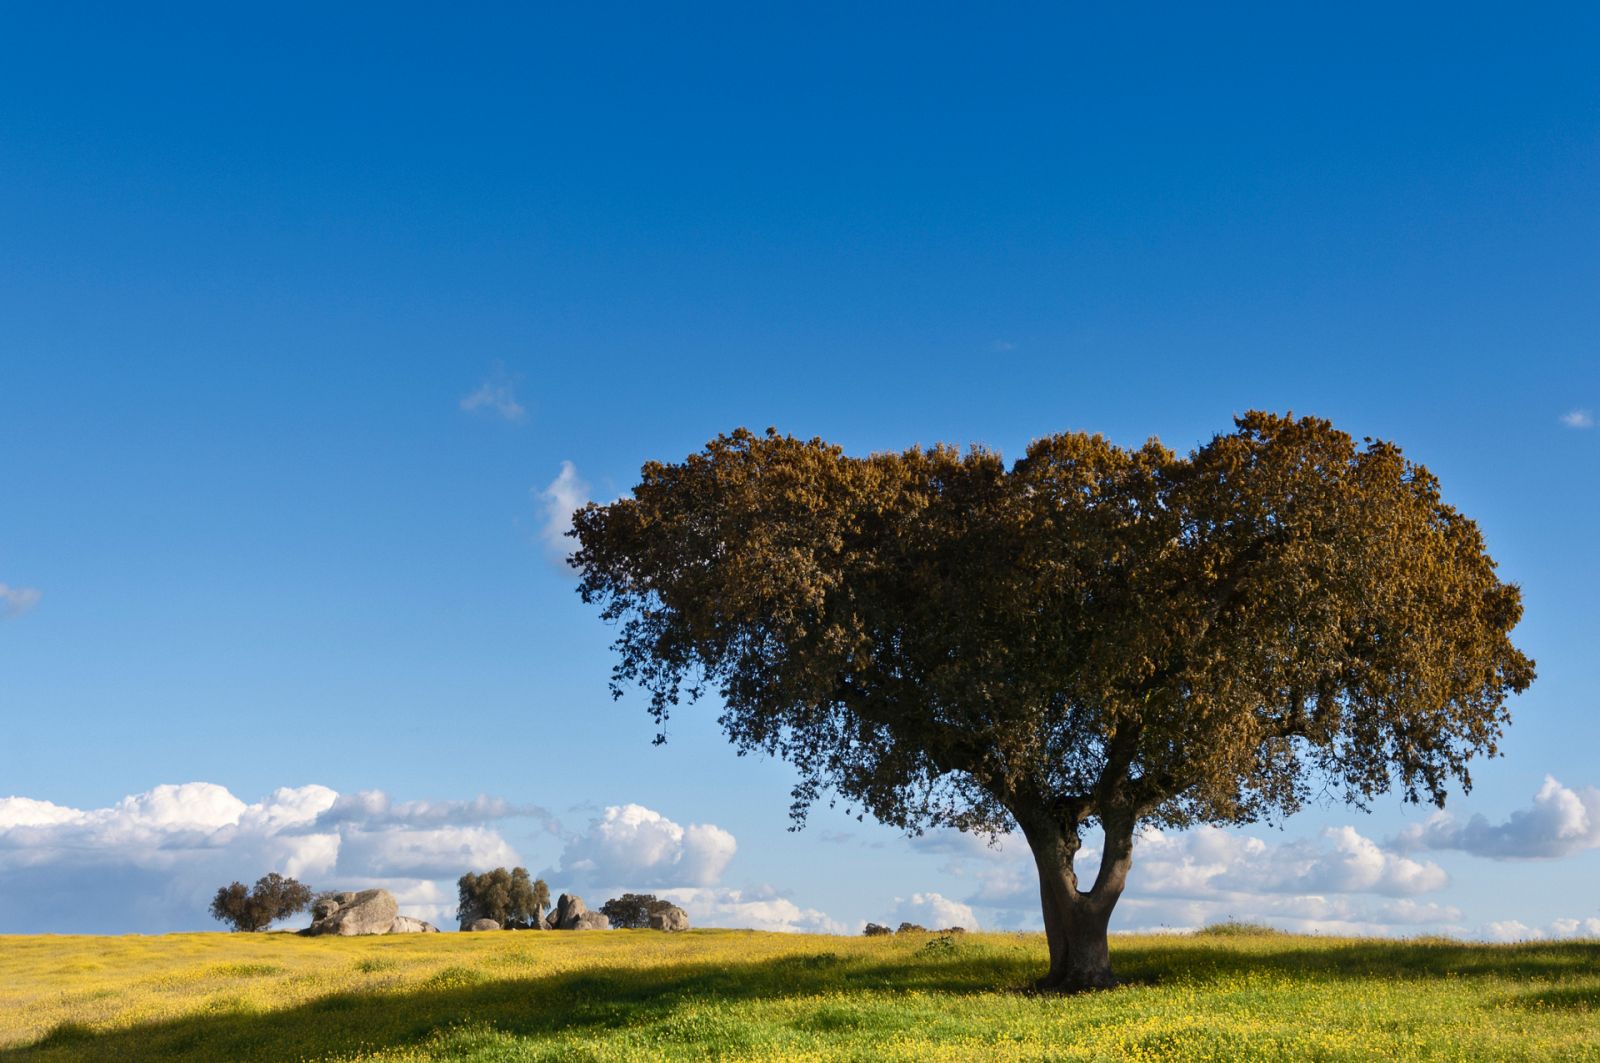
273 898
632 911
1092 635
873 930
511 898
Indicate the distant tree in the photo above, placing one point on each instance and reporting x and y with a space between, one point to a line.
529 898
910 928
232 905
511 898
1094 636
541 898
273 898
874 930
632 911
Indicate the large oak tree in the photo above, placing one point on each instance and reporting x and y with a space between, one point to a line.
1092 636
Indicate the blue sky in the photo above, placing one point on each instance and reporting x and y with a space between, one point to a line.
256 533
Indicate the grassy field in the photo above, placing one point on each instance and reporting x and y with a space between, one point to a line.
638 995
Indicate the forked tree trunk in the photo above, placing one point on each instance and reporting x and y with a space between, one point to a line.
1075 921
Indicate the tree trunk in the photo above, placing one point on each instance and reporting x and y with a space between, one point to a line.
1075 921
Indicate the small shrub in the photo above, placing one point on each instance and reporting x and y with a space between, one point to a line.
1234 928
911 928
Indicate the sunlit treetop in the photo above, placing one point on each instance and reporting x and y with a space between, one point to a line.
944 639
1092 635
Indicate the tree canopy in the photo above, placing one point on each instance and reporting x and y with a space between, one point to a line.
512 898
1092 635
632 911
274 897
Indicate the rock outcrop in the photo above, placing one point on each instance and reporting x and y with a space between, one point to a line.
404 924
482 924
350 914
570 913
669 918
569 906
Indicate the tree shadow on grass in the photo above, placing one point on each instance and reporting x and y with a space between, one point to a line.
1584 997
533 1006
598 1000
1343 960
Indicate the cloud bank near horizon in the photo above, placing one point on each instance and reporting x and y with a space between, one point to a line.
1340 882
1337 882
151 862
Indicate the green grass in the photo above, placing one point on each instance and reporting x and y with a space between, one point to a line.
735 995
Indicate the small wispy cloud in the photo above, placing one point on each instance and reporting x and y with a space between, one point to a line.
1003 345
497 395
14 601
1578 419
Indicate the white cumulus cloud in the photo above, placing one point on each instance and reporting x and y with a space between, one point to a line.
1515 930
1561 821
1190 878
932 910
431 853
1578 418
1348 863
151 861
759 908
564 496
636 847
633 849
